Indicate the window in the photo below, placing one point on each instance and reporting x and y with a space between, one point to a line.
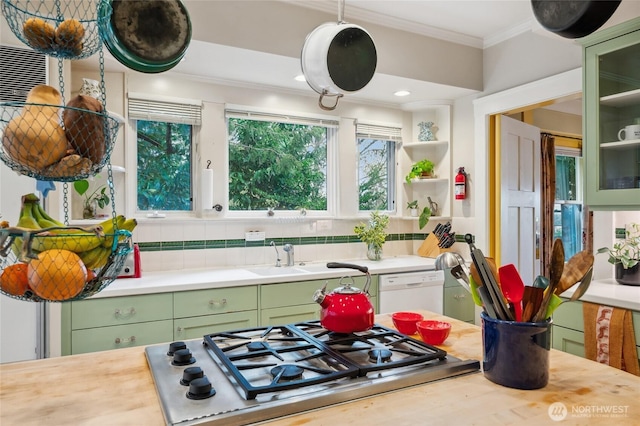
376 166
164 166
567 212
165 130
278 163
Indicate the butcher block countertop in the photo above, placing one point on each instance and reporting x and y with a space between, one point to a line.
116 388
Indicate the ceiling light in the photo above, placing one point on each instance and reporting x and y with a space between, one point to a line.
402 93
300 78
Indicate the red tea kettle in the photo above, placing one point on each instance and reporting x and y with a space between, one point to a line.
346 309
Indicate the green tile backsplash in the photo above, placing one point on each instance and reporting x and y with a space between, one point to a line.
235 243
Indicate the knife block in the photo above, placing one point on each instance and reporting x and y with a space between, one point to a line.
429 247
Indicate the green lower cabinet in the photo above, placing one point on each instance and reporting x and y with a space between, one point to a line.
290 314
121 336
196 327
457 302
567 340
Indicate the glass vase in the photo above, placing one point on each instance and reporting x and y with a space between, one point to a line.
374 252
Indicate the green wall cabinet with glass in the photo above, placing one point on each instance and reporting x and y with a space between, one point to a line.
117 322
567 333
457 301
611 91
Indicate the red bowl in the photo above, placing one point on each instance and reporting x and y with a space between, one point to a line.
433 332
405 322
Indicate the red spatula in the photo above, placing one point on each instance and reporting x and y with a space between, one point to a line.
512 287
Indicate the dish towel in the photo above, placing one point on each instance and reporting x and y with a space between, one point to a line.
609 337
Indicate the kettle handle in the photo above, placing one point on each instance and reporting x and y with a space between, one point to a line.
362 269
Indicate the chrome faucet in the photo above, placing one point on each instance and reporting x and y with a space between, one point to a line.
289 249
273 243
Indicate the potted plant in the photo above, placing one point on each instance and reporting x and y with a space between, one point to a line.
373 234
413 207
625 256
98 198
421 169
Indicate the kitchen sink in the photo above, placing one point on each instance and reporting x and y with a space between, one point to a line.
274 270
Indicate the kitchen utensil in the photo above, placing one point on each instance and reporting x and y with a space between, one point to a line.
573 19
405 322
555 273
574 270
531 301
512 287
346 309
489 283
541 282
433 332
474 292
156 42
584 285
461 276
553 305
448 260
337 58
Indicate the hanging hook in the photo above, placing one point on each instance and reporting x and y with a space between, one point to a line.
208 163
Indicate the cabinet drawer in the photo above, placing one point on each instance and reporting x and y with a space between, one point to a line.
92 313
569 315
214 301
301 293
196 327
121 336
290 314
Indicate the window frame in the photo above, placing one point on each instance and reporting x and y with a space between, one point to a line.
332 125
392 167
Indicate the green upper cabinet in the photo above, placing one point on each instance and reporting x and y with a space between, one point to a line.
611 90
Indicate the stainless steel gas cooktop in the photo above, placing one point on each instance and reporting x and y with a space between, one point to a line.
250 375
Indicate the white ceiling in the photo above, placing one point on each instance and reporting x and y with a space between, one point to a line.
477 23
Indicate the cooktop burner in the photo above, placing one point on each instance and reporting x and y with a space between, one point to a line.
250 375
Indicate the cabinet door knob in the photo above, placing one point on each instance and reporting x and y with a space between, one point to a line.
124 313
217 303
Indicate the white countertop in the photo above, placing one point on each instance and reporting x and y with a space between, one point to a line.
610 293
196 279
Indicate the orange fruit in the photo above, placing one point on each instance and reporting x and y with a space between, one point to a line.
14 279
90 274
57 274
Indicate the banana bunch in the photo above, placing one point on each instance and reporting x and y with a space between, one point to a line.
94 244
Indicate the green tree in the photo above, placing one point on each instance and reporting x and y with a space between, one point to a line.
373 174
277 165
164 166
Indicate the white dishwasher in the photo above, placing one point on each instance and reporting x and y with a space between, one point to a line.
408 291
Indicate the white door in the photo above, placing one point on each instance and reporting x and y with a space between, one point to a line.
19 326
520 196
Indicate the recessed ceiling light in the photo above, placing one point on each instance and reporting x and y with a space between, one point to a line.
402 93
300 78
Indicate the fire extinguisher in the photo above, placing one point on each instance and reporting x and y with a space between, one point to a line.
461 184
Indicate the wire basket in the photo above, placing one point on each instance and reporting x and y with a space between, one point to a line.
66 29
36 266
56 143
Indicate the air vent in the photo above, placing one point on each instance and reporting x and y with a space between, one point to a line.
20 70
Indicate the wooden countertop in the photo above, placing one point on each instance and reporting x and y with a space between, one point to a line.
116 388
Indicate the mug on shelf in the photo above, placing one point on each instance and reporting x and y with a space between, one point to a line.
630 132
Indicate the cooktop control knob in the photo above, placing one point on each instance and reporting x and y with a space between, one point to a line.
200 389
191 373
174 346
183 357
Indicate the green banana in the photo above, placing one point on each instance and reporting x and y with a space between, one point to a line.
26 221
46 216
42 221
96 257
